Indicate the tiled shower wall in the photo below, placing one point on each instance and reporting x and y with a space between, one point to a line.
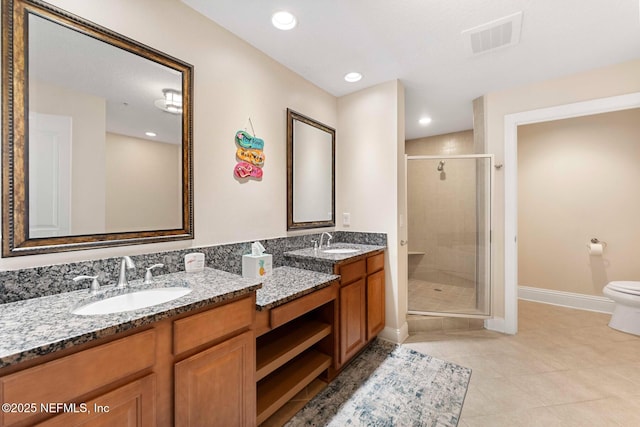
441 211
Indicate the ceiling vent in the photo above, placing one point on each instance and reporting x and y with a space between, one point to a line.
497 34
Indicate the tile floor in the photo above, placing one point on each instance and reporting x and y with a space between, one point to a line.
564 368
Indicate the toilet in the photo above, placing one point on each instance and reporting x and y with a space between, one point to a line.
626 313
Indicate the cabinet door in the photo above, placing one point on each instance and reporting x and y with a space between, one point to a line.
216 387
375 304
132 405
352 319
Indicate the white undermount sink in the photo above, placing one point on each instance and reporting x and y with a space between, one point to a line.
340 251
131 301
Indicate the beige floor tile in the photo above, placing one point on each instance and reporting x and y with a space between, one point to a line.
534 417
565 367
555 388
630 372
495 396
601 413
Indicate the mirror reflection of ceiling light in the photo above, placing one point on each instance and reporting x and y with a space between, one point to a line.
151 134
171 103
284 20
353 77
424 121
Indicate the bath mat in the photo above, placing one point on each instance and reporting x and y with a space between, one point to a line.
387 386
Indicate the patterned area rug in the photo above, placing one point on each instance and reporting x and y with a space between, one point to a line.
390 385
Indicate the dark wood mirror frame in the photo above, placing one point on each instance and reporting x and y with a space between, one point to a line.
15 215
293 116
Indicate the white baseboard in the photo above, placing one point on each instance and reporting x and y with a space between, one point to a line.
395 335
566 299
496 324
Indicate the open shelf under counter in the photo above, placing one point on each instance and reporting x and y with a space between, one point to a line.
279 387
278 350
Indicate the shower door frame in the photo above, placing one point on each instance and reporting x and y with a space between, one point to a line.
489 224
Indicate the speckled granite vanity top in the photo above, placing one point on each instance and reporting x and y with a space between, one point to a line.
288 283
39 326
322 261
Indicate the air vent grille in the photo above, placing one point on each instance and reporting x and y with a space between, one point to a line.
494 35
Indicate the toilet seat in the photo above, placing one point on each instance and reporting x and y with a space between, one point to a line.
625 287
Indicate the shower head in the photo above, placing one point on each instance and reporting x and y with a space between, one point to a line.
441 166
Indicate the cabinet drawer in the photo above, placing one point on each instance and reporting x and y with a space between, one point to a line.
352 272
210 325
67 378
296 308
375 263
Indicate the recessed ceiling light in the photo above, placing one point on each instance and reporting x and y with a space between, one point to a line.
150 133
353 77
424 121
283 20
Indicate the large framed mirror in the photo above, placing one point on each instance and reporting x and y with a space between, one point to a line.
96 136
311 148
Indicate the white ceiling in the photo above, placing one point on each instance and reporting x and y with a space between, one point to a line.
420 43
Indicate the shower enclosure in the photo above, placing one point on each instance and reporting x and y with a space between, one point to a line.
449 234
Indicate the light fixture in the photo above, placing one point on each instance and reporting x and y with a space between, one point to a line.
283 20
171 103
353 77
151 134
424 121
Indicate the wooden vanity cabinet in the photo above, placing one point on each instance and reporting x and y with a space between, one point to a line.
375 295
353 317
99 374
216 385
294 347
361 305
196 369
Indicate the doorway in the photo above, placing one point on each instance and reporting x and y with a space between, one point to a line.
512 121
449 235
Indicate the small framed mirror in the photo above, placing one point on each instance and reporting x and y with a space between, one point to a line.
96 136
311 149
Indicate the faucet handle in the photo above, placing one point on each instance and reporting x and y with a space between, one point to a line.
95 285
148 276
315 244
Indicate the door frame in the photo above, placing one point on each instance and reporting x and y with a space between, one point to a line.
511 123
489 263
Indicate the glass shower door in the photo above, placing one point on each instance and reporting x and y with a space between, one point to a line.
449 235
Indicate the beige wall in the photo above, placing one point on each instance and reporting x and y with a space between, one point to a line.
369 166
600 83
88 115
441 210
232 82
577 180
143 184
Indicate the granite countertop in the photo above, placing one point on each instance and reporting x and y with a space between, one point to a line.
39 326
288 283
319 256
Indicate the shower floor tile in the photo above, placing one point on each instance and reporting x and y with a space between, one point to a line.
438 297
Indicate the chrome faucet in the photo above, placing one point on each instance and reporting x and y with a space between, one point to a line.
95 285
328 240
125 264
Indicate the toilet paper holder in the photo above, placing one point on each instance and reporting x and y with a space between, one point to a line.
596 241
